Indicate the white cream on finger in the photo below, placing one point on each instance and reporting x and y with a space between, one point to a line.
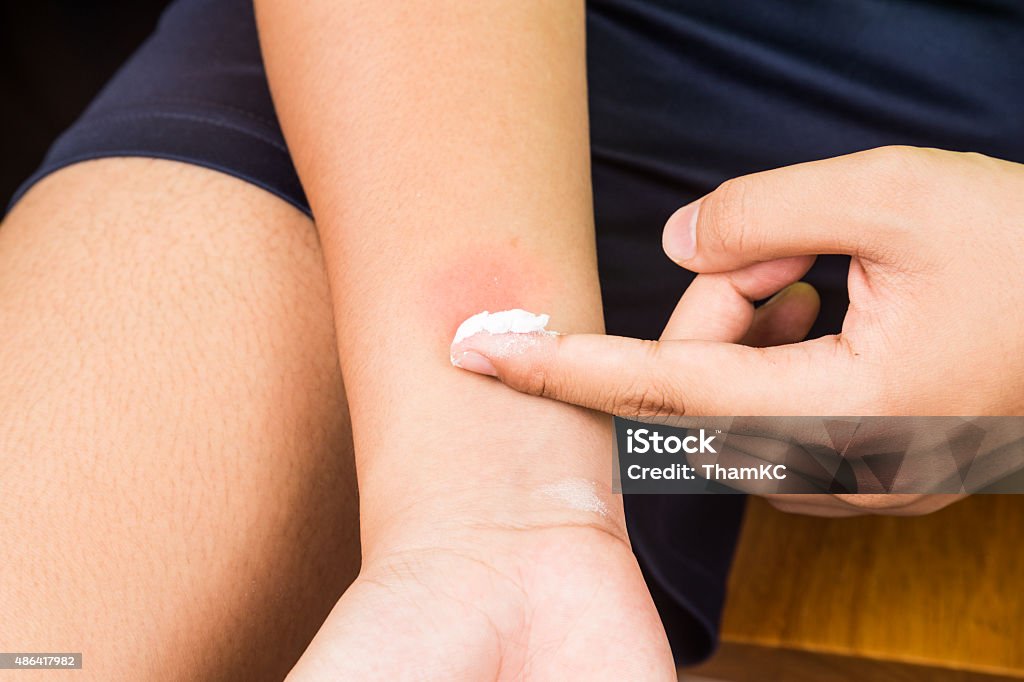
519 325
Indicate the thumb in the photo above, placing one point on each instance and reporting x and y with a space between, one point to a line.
637 378
843 205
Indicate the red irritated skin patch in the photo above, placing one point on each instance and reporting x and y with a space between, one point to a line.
483 282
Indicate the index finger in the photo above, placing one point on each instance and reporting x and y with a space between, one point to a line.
639 378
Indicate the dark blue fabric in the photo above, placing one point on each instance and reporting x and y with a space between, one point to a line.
683 95
196 92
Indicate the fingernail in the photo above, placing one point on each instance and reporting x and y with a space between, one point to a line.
778 296
679 239
791 289
474 362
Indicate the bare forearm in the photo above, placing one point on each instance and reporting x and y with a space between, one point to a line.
444 149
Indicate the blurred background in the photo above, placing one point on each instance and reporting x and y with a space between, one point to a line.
54 56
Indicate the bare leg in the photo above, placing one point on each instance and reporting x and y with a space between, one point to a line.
177 494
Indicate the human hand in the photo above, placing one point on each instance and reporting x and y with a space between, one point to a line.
935 318
497 601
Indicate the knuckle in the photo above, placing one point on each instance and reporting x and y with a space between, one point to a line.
534 381
648 396
638 401
725 213
896 160
537 373
978 159
899 176
890 153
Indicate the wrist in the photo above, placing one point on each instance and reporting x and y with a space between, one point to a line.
469 512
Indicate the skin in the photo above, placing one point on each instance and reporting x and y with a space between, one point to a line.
454 178
935 318
177 488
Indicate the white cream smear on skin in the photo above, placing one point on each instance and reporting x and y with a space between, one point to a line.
576 493
517 323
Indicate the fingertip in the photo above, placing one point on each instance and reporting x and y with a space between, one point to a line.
484 352
679 238
473 361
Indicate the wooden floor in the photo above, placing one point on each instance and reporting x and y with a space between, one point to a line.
939 597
